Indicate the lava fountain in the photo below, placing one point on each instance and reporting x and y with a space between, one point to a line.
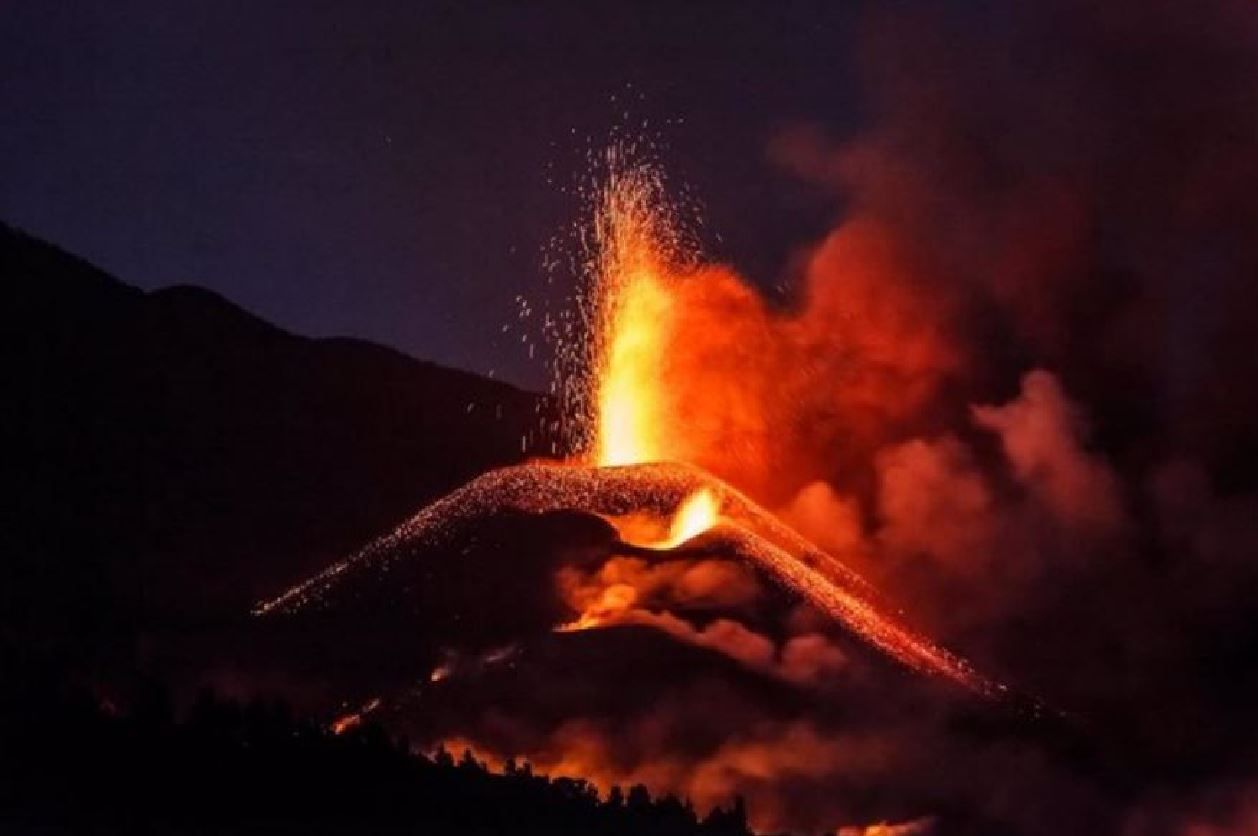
636 252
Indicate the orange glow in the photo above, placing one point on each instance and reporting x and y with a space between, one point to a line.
699 408
354 719
680 359
344 723
610 606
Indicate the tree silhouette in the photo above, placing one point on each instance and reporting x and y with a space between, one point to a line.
70 762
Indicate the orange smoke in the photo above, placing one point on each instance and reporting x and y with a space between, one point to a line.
688 363
695 514
746 764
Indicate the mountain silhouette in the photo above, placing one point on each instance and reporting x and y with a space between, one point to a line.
171 458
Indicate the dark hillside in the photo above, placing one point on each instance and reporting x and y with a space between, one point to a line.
170 458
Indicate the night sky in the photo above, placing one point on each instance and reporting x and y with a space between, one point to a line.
394 170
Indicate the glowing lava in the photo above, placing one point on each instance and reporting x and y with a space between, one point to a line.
638 252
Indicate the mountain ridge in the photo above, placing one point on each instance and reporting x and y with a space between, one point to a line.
174 456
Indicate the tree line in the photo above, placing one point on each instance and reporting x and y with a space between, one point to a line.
71 763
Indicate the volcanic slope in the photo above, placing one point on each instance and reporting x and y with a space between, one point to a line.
746 531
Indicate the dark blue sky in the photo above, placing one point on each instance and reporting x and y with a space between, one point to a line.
393 170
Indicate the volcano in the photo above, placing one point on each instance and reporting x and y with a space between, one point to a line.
624 532
745 532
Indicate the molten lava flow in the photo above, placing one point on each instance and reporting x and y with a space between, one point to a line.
696 514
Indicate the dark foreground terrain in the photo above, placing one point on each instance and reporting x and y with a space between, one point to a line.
72 763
